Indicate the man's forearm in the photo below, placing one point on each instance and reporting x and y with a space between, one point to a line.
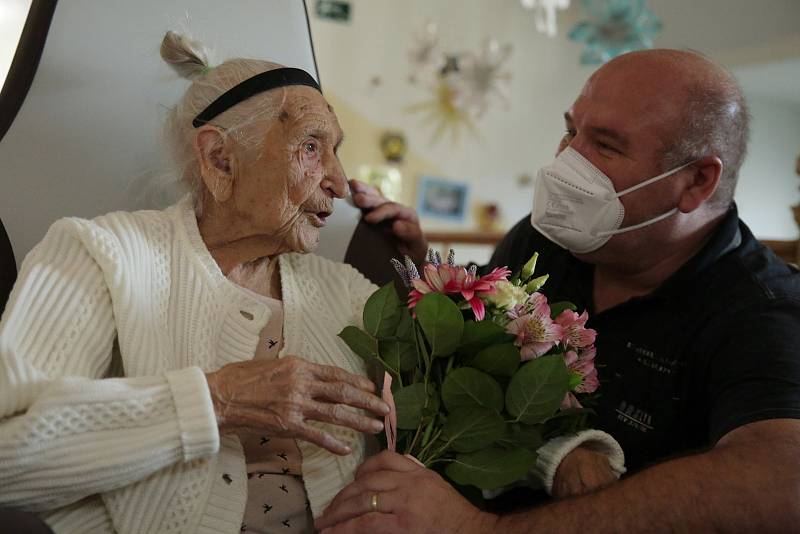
736 488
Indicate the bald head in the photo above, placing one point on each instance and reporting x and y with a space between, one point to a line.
695 106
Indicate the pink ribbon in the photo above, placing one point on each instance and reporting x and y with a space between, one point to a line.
390 420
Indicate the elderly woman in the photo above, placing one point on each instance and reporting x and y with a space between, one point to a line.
179 370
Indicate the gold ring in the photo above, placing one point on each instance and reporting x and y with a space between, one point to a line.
373 502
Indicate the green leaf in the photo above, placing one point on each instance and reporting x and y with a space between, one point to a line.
479 335
410 401
491 468
472 429
467 387
526 436
502 360
442 323
557 307
405 328
397 355
360 342
382 312
537 389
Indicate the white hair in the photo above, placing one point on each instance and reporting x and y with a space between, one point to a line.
189 58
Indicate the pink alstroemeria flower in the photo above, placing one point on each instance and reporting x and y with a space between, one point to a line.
583 363
535 330
570 401
576 335
451 279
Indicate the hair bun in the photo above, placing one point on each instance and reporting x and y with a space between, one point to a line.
186 56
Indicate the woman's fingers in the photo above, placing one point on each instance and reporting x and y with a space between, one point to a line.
337 392
322 439
330 373
390 211
338 414
366 201
357 186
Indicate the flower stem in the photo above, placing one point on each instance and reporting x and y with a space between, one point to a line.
435 456
450 361
426 447
428 431
410 449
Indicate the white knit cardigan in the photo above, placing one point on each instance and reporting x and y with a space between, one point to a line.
106 421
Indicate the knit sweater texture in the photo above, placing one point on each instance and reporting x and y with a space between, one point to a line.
106 421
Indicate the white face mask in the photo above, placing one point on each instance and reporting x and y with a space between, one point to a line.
576 206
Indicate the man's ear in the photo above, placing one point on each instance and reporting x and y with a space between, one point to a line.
703 182
216 162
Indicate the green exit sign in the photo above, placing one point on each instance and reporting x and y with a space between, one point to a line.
333 10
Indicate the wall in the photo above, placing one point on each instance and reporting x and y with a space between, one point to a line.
768 183
514 139
87 139
519 137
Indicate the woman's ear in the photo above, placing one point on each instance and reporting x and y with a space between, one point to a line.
703 182
216 162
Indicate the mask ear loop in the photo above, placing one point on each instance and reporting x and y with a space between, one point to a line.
654 220
652 180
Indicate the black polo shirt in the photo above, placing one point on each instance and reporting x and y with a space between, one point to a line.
715 347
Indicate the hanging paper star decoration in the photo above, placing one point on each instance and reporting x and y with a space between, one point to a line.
614 27
544 14
462 85
482 75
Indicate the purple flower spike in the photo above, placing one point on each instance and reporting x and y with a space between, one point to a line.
411 269
401 271
451 258
431 257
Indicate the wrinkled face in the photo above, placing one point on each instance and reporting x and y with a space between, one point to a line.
285 185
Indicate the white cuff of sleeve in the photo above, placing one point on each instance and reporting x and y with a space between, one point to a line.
198 424
550 454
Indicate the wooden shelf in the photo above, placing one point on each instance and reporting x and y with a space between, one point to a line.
470 238
786 250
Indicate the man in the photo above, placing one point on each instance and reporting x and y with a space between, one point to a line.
698 324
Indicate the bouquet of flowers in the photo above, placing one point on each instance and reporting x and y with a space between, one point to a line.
480 370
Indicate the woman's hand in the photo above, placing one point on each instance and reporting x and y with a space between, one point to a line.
401 220
278 396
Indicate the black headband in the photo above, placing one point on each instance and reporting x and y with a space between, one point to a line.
252 86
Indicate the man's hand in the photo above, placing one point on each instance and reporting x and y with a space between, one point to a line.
401 220
410 498
583 470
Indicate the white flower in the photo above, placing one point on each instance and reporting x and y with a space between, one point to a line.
507 295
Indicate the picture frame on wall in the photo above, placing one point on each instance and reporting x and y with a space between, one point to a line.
440 198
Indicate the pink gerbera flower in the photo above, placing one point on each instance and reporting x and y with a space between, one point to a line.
576 335
453 279
535 330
